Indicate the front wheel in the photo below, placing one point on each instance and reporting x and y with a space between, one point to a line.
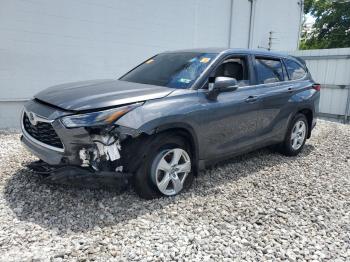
167 169
296 136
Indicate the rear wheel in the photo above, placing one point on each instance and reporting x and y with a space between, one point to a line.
296 136
167 169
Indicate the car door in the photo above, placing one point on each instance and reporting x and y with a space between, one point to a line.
274 91
228 123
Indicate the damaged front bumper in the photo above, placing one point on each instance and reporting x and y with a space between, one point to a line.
78 176
86 153
80 146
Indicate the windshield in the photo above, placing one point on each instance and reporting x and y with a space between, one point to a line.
176 70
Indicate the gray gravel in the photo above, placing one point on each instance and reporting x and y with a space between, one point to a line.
260 206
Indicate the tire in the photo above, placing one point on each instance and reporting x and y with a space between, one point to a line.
289 146
148 176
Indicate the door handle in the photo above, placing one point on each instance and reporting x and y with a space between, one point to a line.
251 99
290 90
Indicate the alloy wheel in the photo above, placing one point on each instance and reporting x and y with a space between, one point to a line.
298 134
170 169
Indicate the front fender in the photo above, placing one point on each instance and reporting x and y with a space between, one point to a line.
177 111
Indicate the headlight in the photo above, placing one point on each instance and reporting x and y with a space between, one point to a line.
98 118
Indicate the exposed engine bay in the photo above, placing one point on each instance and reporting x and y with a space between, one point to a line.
107 148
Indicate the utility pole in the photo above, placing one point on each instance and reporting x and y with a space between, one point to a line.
301 4
251 23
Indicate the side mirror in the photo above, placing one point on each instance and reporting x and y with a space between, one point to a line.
222 84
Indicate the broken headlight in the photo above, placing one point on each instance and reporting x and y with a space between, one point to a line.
98 118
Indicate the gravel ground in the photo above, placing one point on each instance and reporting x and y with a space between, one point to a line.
260 206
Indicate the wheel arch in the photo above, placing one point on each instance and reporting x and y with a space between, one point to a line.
307 112
187 133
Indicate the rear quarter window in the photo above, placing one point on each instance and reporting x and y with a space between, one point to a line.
295 70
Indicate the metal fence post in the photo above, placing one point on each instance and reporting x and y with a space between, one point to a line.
347 107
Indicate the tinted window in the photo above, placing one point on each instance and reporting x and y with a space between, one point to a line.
177 70
295 70
269 71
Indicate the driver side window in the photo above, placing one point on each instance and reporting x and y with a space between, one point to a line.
233 67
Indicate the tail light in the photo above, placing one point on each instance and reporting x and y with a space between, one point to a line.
317 87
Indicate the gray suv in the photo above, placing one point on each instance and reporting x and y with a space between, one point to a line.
171 116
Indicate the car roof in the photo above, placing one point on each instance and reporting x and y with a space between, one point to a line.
218 50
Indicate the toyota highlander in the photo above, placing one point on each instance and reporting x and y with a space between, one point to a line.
173 115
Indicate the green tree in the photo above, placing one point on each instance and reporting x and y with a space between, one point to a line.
332 25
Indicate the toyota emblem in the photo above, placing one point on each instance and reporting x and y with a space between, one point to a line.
32 118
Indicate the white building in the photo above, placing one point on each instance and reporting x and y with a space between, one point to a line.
43 43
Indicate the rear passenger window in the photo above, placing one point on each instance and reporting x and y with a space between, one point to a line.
269 71
295 70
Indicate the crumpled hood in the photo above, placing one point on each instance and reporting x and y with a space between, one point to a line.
94 94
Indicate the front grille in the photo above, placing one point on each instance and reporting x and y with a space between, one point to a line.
43 132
